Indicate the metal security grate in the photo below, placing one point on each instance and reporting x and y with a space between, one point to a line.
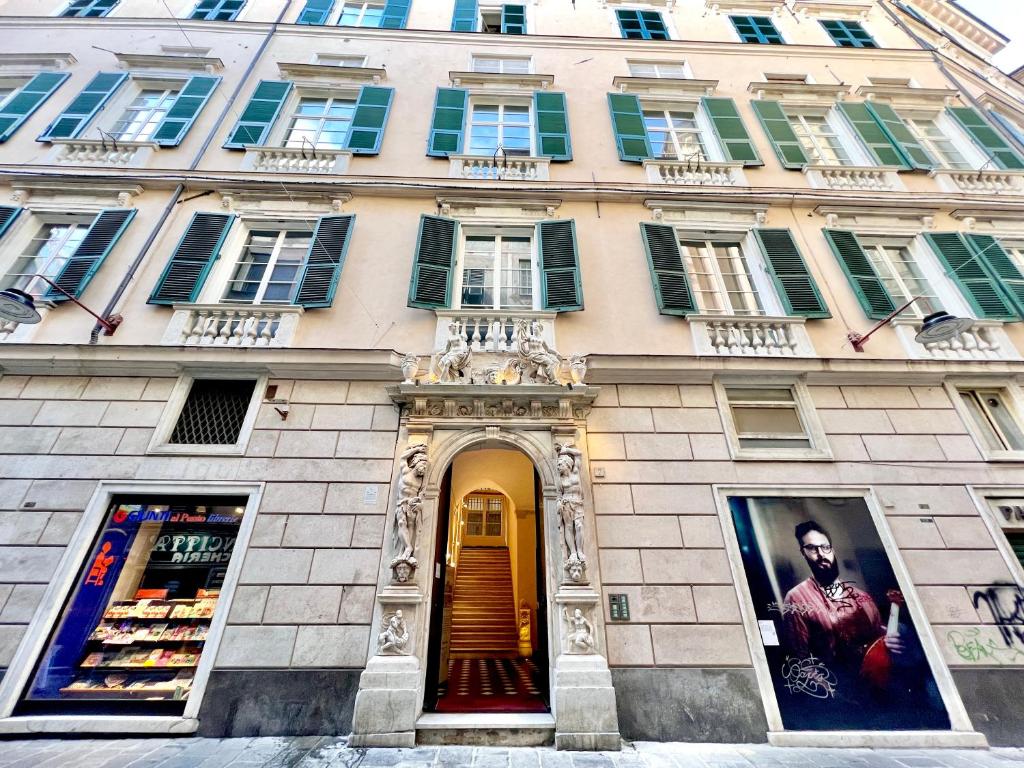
213 412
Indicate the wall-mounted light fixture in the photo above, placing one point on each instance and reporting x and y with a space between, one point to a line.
938 326
17 306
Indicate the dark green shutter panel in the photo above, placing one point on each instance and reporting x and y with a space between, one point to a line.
447 126
259 114
979 285
561 287
883 149
27 100
848 34
7 216
999 262
434 263
325 260
780 133
371 115
628 124
186 270
185 110
1007 125
316 12
866 284
70 123
464 16
396 12
78 270
513 19
629 23
987 137
914 154
552 125
788 270
731 133
671 288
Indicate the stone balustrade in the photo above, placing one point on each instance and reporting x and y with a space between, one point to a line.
196 325
296 160
487 168
488 330
695 174
750 336
985 340
853 178
991 182
121 154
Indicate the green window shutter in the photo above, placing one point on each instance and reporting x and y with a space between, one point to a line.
788 270
561 288
1007 125
217 10
780 133
866 284
8 214
324 261
371 116
848 34
641 25
72 121
552 125
999 262
513 19
628 125
671 287
27 100
880 145
464 16
986 137
913 153
629 23
731 133
78 270
89 8
447 127
259 114
433 263
185 110
396 13
756 29
980 286
186 270
316 12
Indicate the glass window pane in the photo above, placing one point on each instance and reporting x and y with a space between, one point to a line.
773 421
769 395
1003 419
986 431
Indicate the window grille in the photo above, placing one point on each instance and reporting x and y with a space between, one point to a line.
213 412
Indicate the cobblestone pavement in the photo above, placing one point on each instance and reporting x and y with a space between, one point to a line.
325 752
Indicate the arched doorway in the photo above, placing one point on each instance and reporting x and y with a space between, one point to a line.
488 643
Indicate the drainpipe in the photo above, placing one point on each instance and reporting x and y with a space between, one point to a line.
953 80
134 266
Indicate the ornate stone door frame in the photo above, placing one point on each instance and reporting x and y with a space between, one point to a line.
446 419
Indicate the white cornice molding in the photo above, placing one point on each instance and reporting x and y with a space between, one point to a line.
769 7
499 210
833 9
887 220
685 88
905 95
31 63
961 23
162 62
494 81
330 75
50 195
707 215
799 92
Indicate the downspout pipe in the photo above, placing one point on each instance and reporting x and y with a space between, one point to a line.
953 80
174 199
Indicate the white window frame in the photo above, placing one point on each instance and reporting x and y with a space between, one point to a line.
915 310
982 497
335 19
112 112
712 146
961 733
26 227
971 153
502 102
818 449
479 230
494 6
176 402
279 131
338 59
501 58
33 644
848 139
1013 399
264 281
683 64
664 10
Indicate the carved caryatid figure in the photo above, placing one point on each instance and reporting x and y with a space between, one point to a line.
540 362
455 358
412 476
570 509
394 638
581 632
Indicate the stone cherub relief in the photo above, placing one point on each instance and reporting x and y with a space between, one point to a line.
412 477
394 638
570 510
581 632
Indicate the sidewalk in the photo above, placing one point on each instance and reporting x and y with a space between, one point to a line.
331 752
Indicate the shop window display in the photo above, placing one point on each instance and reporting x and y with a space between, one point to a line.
137 620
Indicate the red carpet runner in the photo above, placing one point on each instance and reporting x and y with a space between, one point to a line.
491 685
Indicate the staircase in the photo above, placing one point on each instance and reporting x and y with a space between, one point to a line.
483 611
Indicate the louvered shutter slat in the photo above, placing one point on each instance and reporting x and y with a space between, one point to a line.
877 140
797 289
434 263
560 266
72 121
731 133
27 100
552 125
913 153
199 248
447 126
78 270
1004 268
259 115
186 108
978 285
324 262
8 214
628 125
866 284
464 16
369 120
987 137
780 133
668 275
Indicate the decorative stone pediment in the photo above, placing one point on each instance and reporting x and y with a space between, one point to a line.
330 76
732 217
466 405
85 198
666 87
498 210
495 82
908 96
798 93
164 63
833 9
271 201
896 221
31 63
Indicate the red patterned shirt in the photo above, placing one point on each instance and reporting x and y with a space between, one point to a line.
833 629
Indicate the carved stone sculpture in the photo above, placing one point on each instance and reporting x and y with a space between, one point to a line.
577 368
570 510
394 638
581 632
410 366
539 362
412 476
451 364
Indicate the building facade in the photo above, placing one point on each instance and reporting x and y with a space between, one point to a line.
501 372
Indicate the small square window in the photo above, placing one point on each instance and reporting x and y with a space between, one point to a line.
503 65
995 424
771 420
757 29
848 34
208 416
